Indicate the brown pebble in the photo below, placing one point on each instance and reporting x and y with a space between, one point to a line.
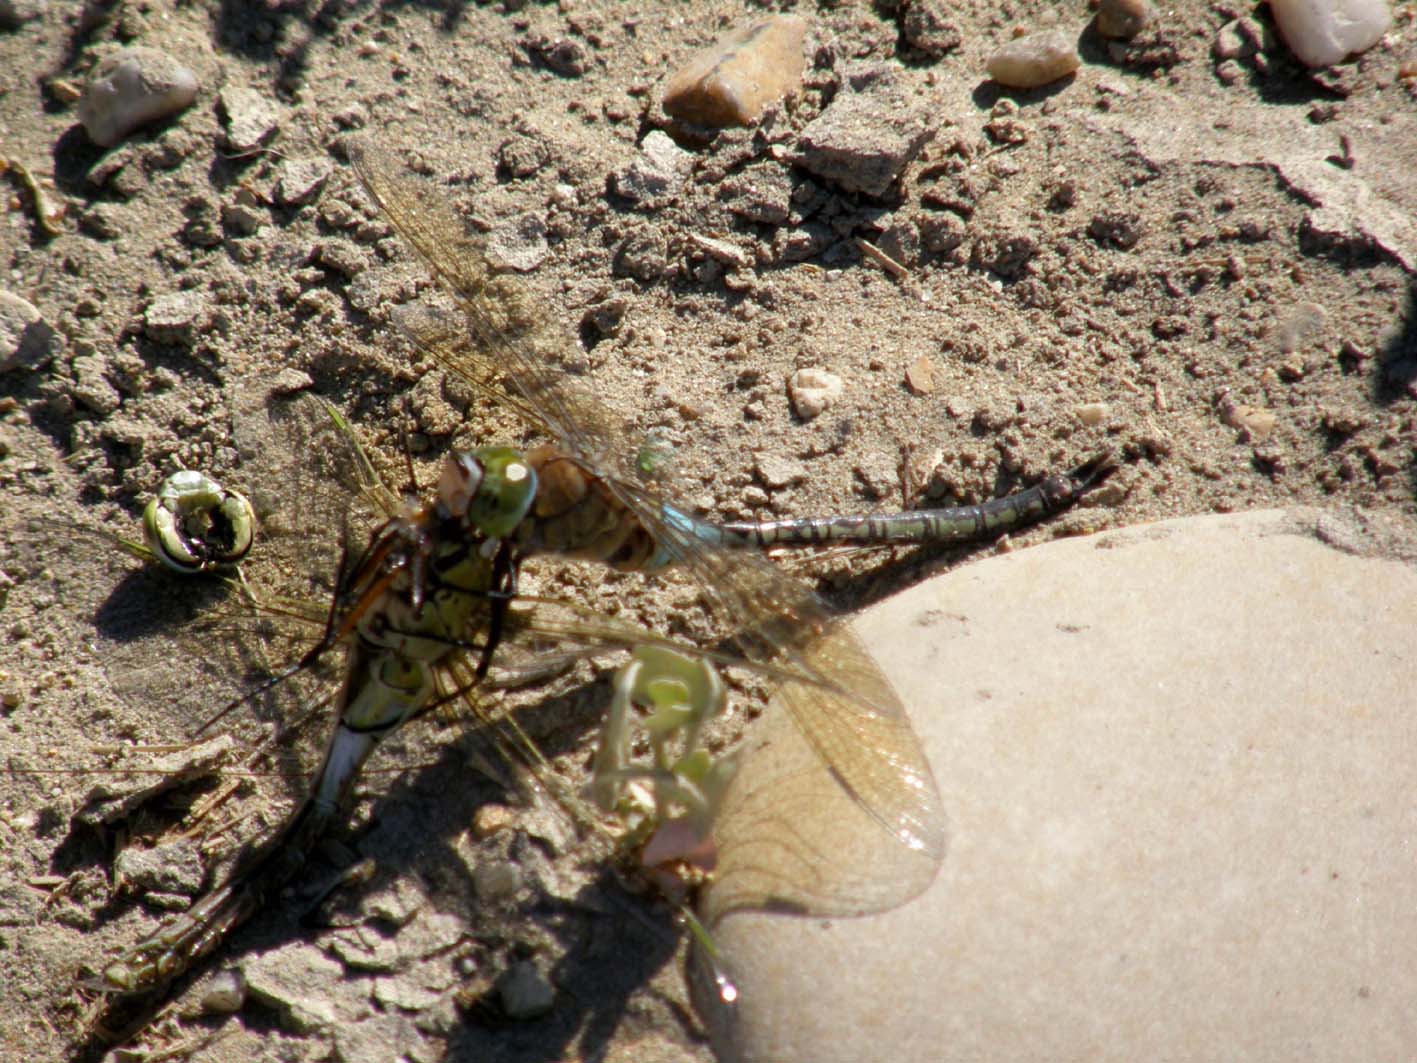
920 376
1035 60
1124 19
736 79
490 819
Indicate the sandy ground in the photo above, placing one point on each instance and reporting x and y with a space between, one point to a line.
1212 279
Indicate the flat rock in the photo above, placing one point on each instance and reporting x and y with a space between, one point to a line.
734 80
1177 766
868 134
1324 32
131 88
251 117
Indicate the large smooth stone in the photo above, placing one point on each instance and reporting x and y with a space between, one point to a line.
1324 32
1180 767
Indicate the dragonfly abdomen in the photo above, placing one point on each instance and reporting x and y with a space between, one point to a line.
944 525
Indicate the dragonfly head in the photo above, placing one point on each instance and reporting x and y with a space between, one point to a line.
490 489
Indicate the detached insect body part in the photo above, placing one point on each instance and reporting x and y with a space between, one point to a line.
194 524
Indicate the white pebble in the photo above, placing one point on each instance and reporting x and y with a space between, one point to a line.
1091 413
812 391
131 88
1324 32
1039 58
226 993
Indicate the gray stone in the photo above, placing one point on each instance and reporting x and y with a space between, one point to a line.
175 868
251 118
1176 765
175 318
289 979
760 193
26 339
525 992
300 181
657 171
520 243
131 88
868 134
496 880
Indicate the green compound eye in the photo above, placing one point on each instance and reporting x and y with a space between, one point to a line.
194 524
504 494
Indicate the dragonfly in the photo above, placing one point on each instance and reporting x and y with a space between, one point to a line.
421 610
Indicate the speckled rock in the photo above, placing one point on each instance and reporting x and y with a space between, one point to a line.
131 88
1178 786
736 79
1036 60
1324 32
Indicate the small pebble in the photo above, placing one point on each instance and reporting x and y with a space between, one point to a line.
1324 32
174 318
492 819
736 79
779 472
225 993
300 181
174 868
812 390
131 88
1091 413
1300 327
927 27
251 118
520 243
1035 60
920 376
496 880
1124 19
525 992
658 169
1256 422
26 339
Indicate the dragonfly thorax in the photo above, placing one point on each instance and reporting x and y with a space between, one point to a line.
489 489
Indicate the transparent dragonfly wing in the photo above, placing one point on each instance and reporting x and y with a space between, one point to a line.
851 719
